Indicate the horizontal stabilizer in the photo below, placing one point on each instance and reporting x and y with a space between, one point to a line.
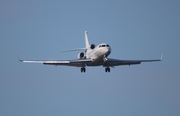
77 49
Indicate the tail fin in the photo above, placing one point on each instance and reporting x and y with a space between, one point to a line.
86 42
86 39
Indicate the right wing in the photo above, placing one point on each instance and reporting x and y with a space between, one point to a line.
118 62
75 63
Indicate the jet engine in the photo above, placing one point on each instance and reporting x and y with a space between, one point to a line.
81 55
92 46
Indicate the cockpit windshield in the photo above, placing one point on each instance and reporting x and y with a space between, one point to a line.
103 45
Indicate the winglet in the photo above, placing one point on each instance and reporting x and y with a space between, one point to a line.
19 58
161 57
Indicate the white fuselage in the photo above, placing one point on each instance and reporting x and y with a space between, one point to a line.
98 54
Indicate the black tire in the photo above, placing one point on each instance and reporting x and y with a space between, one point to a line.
84 69
109 70
106 70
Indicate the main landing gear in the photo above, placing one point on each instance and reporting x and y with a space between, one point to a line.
83 69
107 69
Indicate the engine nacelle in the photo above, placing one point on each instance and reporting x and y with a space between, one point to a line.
92 46
81 55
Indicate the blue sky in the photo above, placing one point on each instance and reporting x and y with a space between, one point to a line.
134 29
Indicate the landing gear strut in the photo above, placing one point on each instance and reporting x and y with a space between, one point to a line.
83 69
107 69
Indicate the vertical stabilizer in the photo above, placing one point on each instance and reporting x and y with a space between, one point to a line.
86 39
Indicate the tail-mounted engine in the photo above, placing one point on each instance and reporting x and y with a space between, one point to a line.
92 46
81 55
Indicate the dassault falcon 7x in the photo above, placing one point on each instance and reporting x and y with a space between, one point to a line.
93 56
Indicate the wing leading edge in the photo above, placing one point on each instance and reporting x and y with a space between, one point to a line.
83 62
75 63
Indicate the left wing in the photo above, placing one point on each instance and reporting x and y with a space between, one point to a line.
76 63
117 62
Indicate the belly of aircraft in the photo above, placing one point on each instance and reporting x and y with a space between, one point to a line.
96 62
98 58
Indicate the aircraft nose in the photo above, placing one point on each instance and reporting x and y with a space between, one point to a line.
108 50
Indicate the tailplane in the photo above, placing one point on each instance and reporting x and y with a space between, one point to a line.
86 43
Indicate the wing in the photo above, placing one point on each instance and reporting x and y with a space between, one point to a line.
75 63
117 62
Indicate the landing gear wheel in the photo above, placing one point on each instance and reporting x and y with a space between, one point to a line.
107 69
83 69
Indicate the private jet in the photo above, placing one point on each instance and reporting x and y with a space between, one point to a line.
93 56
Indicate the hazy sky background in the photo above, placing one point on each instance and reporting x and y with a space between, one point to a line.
135 29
